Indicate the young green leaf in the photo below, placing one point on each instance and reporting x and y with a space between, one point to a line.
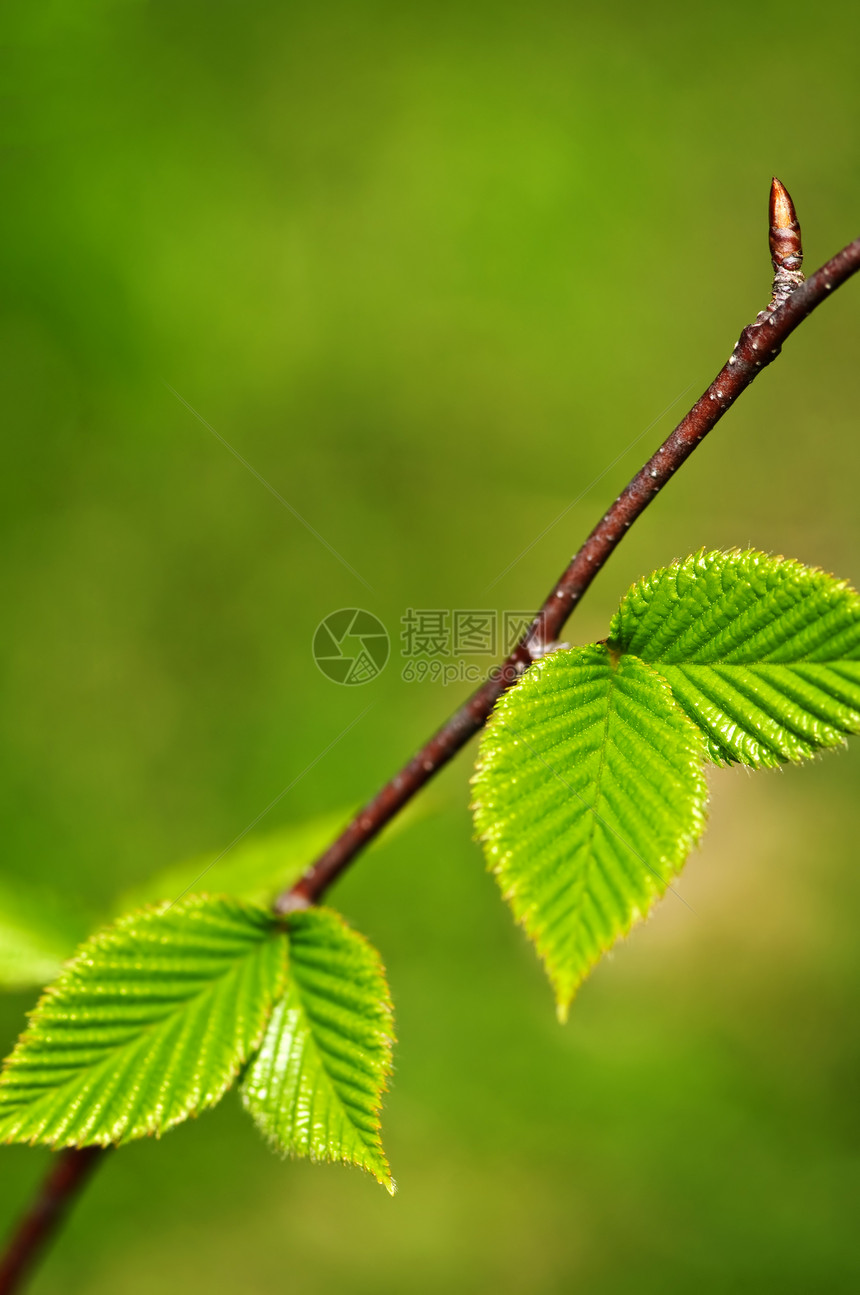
149 1024
762 653
316 1085
588 795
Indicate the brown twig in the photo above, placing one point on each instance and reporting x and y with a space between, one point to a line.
67 1177
758 345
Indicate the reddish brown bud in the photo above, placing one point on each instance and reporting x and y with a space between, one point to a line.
786 248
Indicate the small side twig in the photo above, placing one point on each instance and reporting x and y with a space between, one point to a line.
758 345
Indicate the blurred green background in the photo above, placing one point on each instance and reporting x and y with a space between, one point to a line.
430 268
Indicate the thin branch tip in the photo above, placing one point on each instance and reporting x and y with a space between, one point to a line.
786 245
792 301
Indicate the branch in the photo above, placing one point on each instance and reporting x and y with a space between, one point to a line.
759 344
67 1177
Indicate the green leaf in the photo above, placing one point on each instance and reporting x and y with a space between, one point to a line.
316 1085
39 930
762 653
149 1024
588 795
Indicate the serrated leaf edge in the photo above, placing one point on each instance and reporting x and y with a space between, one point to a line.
376 1149
687 840
102 940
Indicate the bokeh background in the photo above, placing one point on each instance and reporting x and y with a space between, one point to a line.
430 268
